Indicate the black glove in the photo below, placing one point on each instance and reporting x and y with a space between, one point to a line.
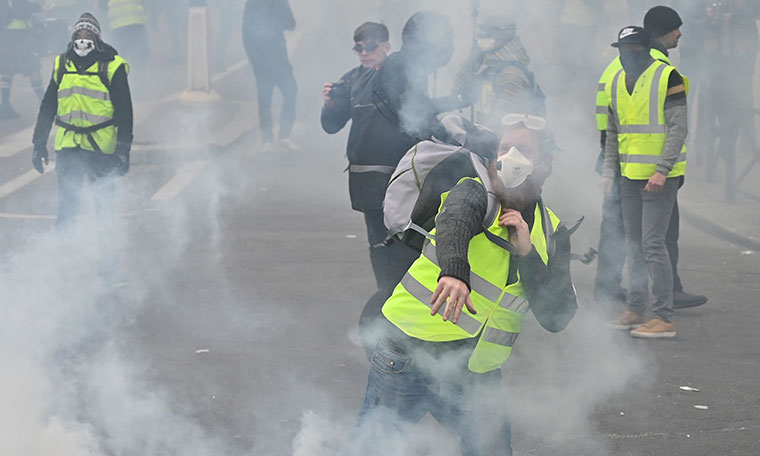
40 159
122 162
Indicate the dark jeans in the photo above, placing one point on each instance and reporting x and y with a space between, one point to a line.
646 217
609 272
389 264
266 81
401 389
72 165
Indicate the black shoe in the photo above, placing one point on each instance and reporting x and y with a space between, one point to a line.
683 300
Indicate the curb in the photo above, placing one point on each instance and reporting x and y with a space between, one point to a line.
714 229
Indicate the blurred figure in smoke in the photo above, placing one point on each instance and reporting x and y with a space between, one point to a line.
646 146
726 94
441 352
88 98
663 23
341 103
264 24
126 20
392 112
175 14
17 54
497 77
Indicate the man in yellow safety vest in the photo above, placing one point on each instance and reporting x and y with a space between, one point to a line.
454 317
88 98
663 23
646 131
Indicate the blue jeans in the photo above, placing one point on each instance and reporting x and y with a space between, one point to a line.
402 389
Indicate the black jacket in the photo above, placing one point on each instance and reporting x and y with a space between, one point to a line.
120 98
390 112
264 24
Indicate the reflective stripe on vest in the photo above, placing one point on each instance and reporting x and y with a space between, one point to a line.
500 307
122 13
97 94
483 287
641 144
372 169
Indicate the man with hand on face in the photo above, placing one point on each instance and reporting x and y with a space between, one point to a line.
454 317
646 130
89 99
663 23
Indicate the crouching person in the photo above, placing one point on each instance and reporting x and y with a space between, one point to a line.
454 317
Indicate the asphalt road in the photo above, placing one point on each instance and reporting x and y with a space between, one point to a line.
238 320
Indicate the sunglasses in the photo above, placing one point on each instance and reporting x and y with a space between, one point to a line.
369 47
530 121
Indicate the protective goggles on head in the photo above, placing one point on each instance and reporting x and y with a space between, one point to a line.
369 47
529 121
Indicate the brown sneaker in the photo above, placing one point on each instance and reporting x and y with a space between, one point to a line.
655 329
628 320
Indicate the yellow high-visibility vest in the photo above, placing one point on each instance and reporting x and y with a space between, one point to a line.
122 13
84 102
641 122
500 307
602 94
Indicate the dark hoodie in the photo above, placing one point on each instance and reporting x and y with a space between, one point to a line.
120 98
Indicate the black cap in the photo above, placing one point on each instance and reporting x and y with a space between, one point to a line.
633 34
661 20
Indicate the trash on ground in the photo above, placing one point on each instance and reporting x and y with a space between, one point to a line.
350 236
748 252
689 388
202 350
701 407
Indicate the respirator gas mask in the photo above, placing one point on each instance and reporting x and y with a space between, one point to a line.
514 168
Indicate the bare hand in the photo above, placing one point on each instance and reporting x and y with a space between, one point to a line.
455 294
607 184
655 183
326 89
519 232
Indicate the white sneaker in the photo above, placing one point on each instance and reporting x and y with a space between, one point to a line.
289 145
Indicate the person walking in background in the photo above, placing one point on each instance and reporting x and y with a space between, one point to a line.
264 24
647 146
496 75
89 99
17 53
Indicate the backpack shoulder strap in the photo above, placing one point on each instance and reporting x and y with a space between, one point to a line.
103 73
62 61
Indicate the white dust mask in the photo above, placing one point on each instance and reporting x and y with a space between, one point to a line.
486 44
83 47
515 168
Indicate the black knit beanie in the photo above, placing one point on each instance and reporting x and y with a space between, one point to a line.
661 20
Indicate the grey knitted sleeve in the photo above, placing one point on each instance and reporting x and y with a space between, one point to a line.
611 156
676 120
461 218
